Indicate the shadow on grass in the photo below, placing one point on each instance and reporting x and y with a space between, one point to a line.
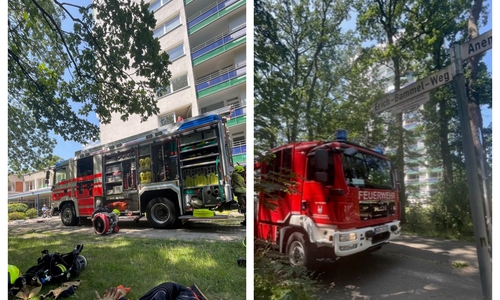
137 262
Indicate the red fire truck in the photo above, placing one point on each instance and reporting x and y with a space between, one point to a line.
345 201
171 174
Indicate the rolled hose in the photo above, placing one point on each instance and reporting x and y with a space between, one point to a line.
100 223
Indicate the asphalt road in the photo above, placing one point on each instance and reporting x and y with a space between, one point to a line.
408 268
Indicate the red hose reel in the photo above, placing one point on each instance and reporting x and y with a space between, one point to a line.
105 223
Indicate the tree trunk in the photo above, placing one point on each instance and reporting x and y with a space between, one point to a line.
476 120
400 156
445 146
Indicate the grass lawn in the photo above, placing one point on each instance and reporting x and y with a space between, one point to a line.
139 263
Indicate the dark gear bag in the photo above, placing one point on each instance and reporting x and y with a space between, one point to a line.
51 268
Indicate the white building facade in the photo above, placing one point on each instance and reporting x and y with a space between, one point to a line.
419 181
206 43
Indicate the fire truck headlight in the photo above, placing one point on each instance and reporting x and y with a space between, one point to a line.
347 237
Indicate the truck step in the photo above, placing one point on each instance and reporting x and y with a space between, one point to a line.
218 217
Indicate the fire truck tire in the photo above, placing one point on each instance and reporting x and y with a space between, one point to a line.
68 215
116 229
300 252
161 213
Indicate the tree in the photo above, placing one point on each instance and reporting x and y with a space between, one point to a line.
384 22
475 101
107 62
407 30
300 48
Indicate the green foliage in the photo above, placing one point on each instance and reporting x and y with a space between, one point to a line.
274 184
300 54
107 62
32 213
451 210
275 279
447 214
17 207
418 219
17 216
459 264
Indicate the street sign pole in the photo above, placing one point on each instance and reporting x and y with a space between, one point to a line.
475 196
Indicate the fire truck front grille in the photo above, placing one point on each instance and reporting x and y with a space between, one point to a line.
369 210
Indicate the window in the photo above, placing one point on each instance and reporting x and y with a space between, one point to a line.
40 183
179 83
60 174
435 175
163 91
155 5
212 107
176 52
167 27
30 185
311 168
365 170
167 119
12 186
413 177
175 85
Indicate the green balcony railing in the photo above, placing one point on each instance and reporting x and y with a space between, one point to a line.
211 13
219 44
221 80
237 121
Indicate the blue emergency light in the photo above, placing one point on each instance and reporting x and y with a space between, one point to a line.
341 134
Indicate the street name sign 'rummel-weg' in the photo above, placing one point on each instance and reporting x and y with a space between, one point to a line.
477 45
422 86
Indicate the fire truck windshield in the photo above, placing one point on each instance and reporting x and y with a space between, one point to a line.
60 174
366 170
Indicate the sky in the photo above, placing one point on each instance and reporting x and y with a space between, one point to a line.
67 149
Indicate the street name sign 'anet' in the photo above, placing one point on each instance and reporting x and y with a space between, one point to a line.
477 45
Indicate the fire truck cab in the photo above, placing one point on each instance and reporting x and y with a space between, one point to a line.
345 201
171 174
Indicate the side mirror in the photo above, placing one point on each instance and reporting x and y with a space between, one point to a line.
321 159
320 176
47 176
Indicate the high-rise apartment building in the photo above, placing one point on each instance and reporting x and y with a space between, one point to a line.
206 42
419 180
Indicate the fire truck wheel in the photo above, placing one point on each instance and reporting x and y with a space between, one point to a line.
161 213
116 229
68 215
299 251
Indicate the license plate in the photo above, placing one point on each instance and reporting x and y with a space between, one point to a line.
381 229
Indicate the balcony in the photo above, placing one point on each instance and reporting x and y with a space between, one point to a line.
211 13
239 147
219 44
221 80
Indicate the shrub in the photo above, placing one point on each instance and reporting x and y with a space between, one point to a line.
275 279
31 213
418 219
18 207
17 216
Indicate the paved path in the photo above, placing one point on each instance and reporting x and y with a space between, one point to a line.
222 230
